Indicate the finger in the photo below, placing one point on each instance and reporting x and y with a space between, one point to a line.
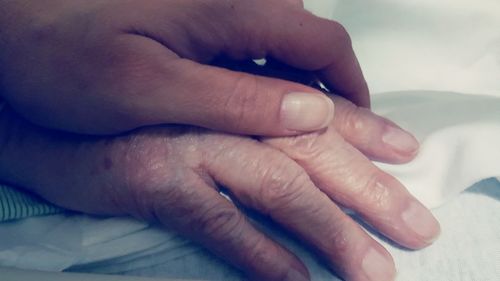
199 212
265 28
184 92
278 187
352 180
377 137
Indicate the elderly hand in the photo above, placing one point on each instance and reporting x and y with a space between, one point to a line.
172 175
103 67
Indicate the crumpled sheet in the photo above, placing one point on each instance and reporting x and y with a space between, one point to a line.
450 46
460 137
439 45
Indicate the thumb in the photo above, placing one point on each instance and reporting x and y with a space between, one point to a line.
237 102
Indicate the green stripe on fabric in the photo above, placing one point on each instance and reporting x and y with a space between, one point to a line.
2 206
17 204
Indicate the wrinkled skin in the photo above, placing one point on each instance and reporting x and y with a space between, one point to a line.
171 175
105 67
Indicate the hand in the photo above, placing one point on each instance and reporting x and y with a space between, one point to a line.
102 67
172 175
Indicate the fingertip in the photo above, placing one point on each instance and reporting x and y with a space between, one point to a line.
375 136
386 151
378 264
422 223
306 112
400 141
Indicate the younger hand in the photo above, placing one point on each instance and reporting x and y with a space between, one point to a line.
103 67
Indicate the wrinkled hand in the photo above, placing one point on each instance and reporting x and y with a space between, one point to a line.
173 174
103 67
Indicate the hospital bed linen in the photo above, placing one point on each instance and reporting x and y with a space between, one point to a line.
440 45
10 274
16 204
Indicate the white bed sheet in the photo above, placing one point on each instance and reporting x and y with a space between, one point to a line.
439 45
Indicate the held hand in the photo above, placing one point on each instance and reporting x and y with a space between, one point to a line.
103 67
172 175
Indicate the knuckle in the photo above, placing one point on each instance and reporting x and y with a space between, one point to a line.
353 119
340 33
337 239
375 195
340 236
282 185
306 146
242 103
177 203
221 221
340 38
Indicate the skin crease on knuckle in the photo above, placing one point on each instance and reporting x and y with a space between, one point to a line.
281 186
243 101
220 220
375 197
304 146
363 129
350 118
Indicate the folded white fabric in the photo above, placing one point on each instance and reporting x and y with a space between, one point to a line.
440 45
459 134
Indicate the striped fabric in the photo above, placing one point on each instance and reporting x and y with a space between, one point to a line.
17 204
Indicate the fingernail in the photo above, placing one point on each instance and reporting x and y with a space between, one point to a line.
294 275
306 111
378 267
421 221
400 140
